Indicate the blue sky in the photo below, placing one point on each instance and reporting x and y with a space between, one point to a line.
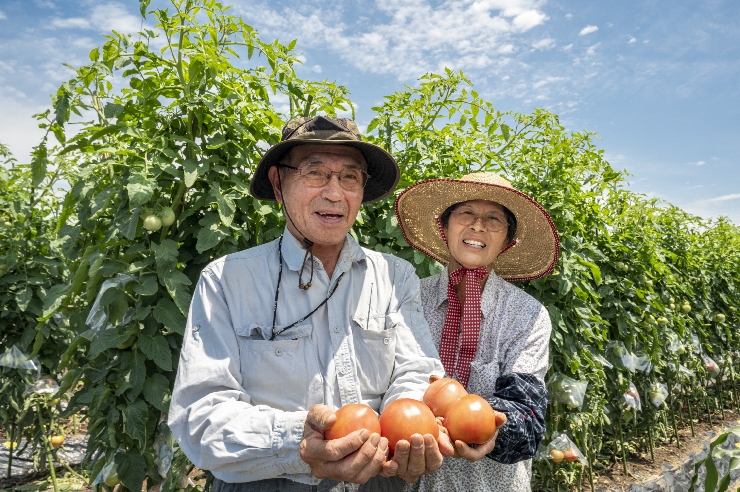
659 81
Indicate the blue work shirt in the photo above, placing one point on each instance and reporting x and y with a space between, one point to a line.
240 399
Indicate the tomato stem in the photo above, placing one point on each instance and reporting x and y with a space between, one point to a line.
673 415
623 446
687 398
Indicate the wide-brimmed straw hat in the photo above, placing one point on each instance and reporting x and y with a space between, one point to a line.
321 130
536 246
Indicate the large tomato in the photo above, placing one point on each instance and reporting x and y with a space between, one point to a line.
441 394
57 440
405 417
470 420
352 417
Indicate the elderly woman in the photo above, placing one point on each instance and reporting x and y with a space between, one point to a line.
491 336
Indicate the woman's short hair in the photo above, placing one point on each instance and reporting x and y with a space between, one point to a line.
510 220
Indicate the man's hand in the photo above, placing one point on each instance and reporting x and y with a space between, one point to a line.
354 458
422 456
462 450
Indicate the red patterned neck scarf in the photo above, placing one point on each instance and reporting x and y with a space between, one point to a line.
471 319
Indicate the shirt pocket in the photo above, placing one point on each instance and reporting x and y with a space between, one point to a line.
279 372
375 346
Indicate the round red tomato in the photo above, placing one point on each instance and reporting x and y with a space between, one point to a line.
441 394
570 455
470 420
405 417
352 417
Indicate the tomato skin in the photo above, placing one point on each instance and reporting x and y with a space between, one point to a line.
352 417
556 455
405 417
570 455
152 223
167 216
57 440
471 420
441 394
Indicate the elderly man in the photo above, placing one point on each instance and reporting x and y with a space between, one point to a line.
280 335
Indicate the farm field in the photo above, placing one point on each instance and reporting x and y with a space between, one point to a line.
142 179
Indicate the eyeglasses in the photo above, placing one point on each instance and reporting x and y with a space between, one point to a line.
317 176
491 222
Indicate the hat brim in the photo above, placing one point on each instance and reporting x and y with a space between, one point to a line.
381 167
533 256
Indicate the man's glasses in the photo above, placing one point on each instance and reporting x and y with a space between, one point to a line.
491 222
317 176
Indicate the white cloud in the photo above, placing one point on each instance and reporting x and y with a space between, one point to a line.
568 47
724 198
71 23
544 44
105 17
588 30
699 163
592 49
2 15
568 16
633 40
408 37
45 4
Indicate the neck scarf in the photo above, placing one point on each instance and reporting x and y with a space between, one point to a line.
471 319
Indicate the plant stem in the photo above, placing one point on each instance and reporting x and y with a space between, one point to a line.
621 441
49 456
673 416
589 454
691 413
650 437
10 451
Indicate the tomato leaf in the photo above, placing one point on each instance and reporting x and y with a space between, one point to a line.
157 349
157 392
167 313
140 189
131 465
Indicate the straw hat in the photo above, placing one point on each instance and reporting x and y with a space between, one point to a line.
535 249
322 130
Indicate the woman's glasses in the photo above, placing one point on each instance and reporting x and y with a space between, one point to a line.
491 222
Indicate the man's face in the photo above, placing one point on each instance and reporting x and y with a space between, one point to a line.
323 214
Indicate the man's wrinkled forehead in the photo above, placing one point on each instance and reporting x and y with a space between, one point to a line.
302 152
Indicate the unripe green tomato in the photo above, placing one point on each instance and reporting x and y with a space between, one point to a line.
672 300
686 308
152 223
620 265
649 283
3 270
652 319
719 318
7 224
733 308
662 321
167 216
681 350
672 306
127 343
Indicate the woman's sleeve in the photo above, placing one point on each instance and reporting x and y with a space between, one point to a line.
523 398
520 391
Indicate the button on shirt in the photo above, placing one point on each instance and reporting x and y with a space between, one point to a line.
240 399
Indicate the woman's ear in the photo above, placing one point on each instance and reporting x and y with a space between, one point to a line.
274 178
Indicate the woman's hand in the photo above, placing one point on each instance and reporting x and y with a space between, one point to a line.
462 450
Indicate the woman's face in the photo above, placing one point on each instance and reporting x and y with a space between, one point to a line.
475 245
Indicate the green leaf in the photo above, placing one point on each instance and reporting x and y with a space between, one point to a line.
190 170
23 298
211 234
157 392
157 349
54 298
106 339
112 110
226 205
167 313
39 160
131 465
140 189
147 285
165 254
136 373
177 285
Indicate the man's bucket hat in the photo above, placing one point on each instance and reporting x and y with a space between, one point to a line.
532 254
321 130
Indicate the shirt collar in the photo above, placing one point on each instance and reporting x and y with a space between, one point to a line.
489 288
294 252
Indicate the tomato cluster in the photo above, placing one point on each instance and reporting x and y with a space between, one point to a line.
467 417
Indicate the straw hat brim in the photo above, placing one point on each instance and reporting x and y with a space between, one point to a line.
381 166
537 245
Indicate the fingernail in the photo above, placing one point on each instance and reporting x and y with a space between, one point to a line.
375 439
383 444
364 434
